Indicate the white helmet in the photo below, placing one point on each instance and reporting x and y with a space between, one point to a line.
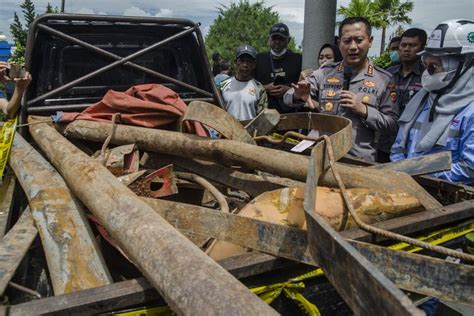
452 37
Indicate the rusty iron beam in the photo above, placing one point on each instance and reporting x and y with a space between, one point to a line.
6 199
164 255
362 286
424 275
218 119
228 152
14 246
252 184
420 165
74 260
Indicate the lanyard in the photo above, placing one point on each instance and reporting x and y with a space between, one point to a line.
404 90
272 65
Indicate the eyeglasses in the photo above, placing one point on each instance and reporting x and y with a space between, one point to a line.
433 68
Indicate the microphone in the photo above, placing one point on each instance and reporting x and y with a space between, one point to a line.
347 77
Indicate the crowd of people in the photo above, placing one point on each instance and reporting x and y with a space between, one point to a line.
422 103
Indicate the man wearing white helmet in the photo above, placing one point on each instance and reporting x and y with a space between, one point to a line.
440 117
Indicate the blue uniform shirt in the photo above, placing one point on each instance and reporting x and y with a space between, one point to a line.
460 142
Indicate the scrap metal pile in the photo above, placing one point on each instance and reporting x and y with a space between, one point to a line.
183 209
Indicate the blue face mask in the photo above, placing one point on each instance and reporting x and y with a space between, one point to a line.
395 56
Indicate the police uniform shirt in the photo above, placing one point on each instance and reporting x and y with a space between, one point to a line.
371 87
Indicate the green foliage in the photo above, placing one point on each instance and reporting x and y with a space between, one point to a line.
364 8
51 9
20 31
382 60
242 23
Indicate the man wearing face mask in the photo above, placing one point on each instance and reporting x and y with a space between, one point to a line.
393 51
441 116
278 68
406 80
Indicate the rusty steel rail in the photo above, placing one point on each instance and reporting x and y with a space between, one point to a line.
420 274
74 260
189 280
228 152
14 245
362 286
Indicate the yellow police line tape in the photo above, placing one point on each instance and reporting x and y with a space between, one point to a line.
6 139
292 287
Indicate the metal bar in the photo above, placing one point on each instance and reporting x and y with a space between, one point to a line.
24 289
425 275
218 119
420 165
13 247
74 260
362 286
217 93
109 18
122 61
162 253
80 107
230 152
6 199
113 56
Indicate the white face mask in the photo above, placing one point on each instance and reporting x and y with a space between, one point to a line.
278 54
435 81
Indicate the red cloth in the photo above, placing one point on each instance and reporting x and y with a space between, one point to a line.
147 105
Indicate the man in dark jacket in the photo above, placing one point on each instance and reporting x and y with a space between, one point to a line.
278 68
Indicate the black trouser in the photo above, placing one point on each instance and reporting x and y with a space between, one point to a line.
382 157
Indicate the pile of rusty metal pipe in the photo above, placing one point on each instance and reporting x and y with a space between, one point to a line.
63 188
185 276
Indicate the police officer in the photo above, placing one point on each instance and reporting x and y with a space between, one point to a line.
366 98
406 80
440 117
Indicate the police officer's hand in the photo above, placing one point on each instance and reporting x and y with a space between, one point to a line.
305 73
303 93
351 101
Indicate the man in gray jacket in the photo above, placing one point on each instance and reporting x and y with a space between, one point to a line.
354 88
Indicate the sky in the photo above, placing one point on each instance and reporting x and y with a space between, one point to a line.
426 14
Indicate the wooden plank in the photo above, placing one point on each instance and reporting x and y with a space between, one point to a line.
14 246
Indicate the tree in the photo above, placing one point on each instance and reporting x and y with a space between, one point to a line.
394 12
20 32
380 13
363 8
241 23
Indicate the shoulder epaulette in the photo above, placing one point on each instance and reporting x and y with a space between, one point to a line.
383 71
